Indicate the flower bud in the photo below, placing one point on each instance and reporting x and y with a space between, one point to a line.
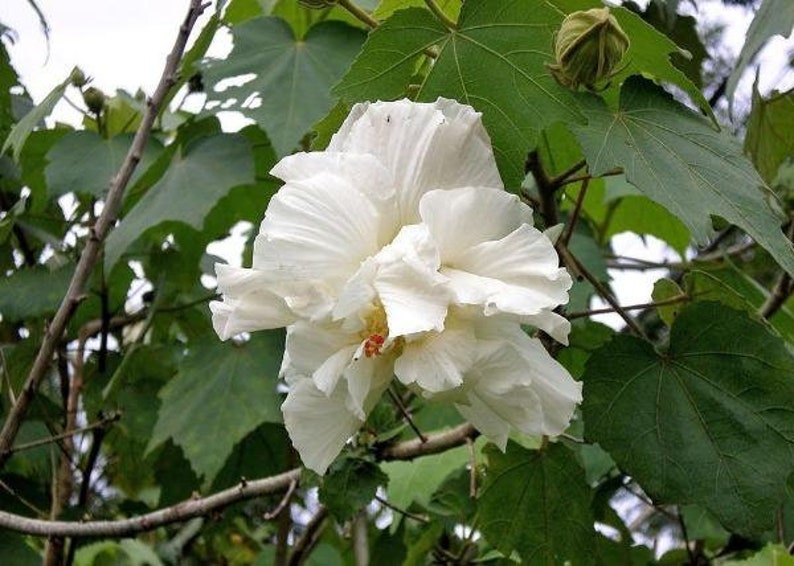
588 47
94 99
317 4
78 78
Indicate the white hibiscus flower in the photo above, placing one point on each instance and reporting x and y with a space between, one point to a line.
396 252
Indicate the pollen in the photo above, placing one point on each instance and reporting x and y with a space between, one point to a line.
373 345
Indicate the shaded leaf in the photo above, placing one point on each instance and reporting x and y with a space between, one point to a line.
83 162
290 90
34 291
19 133
675 158
222 392
663 290
707 422
537 502
349 485
770 132
495 61
188 191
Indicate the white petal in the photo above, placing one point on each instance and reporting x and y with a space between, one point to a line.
320 351
414 300
518 274
426 146
437 362
249 302
367 379
556 326
358 293
500 395
322 226
318 425
556 390
409 287
459 219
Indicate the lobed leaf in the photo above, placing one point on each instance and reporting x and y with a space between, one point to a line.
710 421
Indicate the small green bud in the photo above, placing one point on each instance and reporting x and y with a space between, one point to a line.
94 99
78 78
317 4
588 47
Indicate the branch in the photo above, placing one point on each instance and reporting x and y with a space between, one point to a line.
245 490
99 232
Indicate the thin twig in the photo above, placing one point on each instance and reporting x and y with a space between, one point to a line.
88 258
406 415
270 515
566 235
361 538
197 507
308 539
576 179
606 310
433 444
403 512
783 288
560 179
574 263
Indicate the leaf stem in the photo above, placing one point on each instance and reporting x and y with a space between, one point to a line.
670 301
441 16
358 13
566 236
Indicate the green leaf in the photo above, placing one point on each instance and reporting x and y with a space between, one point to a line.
774 17
222 392
417 480
770 132
194 182
771 554
290 91
650 52
15 550
665 289
674 157
85 163
730 286
707 422
495 61
349 485
387 8
537 502
22 129
33 291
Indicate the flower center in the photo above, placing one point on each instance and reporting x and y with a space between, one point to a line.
374 335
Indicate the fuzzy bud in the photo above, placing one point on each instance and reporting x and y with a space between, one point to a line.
94 99
78 78
588 47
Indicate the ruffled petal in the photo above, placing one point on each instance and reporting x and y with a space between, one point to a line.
367 379
437 362
320 351
459 219
321 226
440 145
249 303
318 425
411 290
518 274
557 391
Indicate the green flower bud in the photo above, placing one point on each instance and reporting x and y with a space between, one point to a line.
588 47
78 78
317 4
94 99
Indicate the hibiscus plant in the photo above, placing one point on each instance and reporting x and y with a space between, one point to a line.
387 319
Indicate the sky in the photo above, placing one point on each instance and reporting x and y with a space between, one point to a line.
124 43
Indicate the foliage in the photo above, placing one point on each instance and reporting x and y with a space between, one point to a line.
685 434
